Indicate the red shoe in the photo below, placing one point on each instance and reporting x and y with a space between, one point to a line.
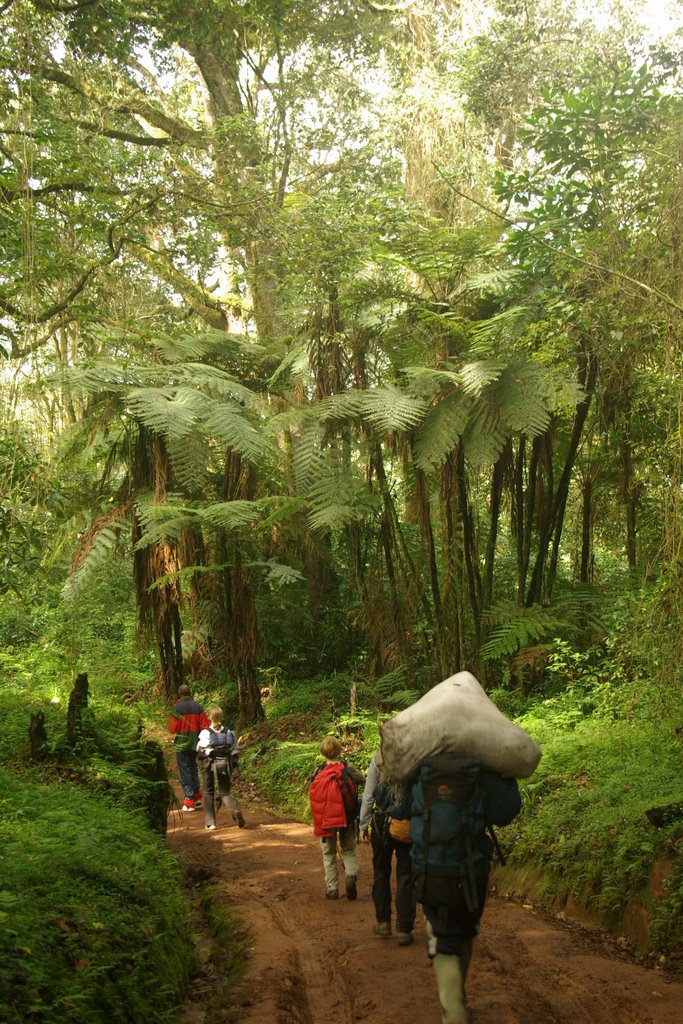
198 797
189 805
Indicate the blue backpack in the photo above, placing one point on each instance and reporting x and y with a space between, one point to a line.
451 850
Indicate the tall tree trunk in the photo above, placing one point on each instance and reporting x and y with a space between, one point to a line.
586 527
469 543
388 546
494 516
240 626
588 375
158 603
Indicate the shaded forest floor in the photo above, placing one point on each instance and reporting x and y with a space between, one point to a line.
311 960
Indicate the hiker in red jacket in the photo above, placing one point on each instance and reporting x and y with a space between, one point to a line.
334 805
185 722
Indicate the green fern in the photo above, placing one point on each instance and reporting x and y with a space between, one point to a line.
277 575
337 499
231 426
522 396
523 627
391 689
231 515
440 431
307 458
475 377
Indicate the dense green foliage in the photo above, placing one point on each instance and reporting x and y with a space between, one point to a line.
93 920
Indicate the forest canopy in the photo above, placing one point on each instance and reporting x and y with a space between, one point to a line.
353 330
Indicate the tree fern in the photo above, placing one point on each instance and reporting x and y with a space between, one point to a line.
232 427
522 395
474 377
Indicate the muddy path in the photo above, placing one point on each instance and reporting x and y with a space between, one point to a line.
312 960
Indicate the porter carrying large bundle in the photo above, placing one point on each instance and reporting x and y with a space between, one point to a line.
456 716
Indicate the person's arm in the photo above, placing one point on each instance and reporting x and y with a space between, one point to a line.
203 740
368 796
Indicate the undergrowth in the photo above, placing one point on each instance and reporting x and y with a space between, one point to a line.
94 925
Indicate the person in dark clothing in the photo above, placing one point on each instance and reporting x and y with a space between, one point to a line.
376 826
452 929
185 723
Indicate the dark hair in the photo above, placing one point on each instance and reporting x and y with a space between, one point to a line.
184 690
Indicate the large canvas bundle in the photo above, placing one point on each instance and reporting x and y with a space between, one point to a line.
456 715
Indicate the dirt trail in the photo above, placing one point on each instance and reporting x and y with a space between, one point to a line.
312 960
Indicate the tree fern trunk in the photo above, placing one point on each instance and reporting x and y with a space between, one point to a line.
388 546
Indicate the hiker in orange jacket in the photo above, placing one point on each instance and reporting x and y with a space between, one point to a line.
334 804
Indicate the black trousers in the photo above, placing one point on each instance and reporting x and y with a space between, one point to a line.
385 850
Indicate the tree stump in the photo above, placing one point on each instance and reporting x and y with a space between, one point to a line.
78 699
37 735
661 816
159 792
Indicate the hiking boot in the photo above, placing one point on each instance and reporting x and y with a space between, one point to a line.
188 805
405 939
331 894
239 818
383 929
351 890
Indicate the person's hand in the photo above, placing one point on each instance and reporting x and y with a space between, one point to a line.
365 838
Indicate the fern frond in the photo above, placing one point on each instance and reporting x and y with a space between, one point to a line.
483 437
231 426
294 364
392 690
218 384
494 282
426 381
307 458
94 548
393 410
522 396
231 515
499 332
189 458
474 377
277 575
163 413
440 431
338 499
525 626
